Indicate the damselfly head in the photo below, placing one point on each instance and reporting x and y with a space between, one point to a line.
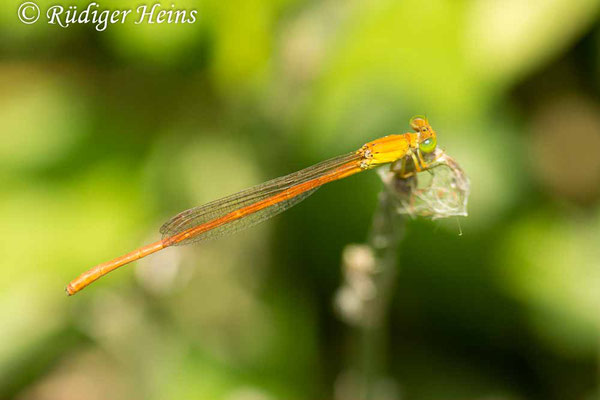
427 137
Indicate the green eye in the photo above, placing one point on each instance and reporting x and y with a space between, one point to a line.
428 145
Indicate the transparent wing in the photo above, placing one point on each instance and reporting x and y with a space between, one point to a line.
212 211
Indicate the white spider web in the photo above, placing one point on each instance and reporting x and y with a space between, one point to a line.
441 191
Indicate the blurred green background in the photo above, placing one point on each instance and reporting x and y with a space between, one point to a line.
105 135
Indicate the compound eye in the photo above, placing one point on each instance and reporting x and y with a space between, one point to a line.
428 145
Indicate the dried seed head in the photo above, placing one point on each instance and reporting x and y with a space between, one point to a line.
440 192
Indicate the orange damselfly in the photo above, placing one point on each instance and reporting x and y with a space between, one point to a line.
259 203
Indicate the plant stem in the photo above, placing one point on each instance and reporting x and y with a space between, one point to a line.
368 309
